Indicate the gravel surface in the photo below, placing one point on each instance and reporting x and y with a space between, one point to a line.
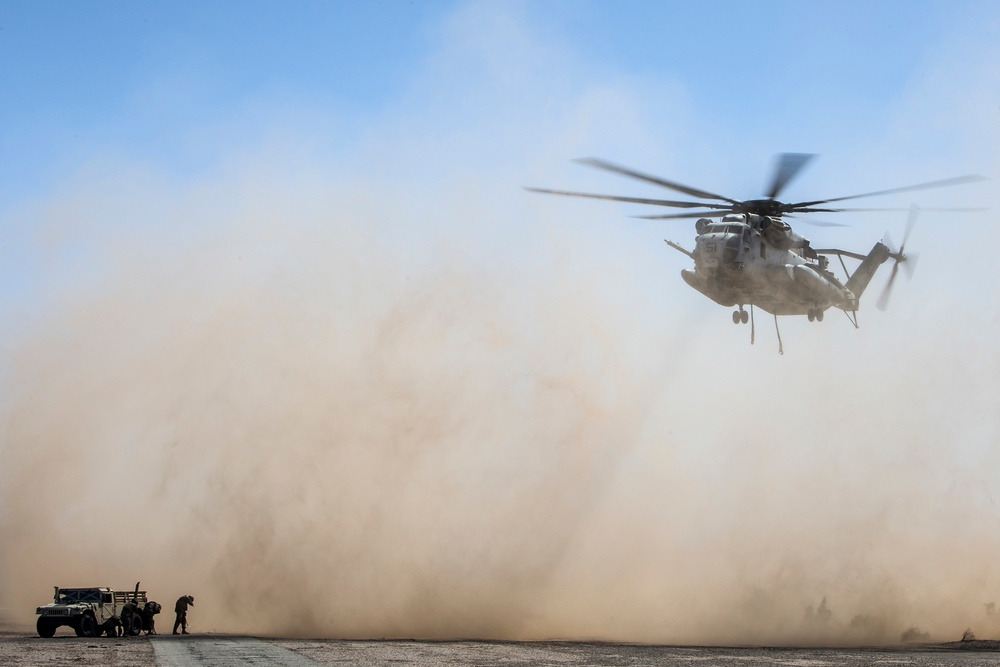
588 654
230 651
68 649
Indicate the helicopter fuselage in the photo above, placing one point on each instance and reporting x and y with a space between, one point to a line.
749 259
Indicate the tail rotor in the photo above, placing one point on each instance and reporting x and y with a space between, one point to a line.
900 257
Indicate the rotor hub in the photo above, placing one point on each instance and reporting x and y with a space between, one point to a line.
768 207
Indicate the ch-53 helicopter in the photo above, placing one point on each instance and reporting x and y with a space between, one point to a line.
752 257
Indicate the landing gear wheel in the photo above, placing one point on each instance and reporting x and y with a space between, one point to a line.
819 315
45 627
812 315
86 626
744 316
736 317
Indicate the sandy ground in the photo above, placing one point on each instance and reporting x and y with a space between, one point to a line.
232 651
586 654
68 649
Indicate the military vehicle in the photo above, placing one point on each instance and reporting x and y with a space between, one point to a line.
89 610
752 256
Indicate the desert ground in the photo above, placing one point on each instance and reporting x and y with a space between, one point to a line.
212 650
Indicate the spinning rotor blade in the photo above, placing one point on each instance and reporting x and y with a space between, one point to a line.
901 258
624 171
910 265
634 200
911 220
817 223
910 261
789 165
691 214
883 299
964 209
922 186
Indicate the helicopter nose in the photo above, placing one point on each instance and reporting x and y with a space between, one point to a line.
705 252
716 249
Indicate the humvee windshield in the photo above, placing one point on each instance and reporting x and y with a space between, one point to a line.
72 596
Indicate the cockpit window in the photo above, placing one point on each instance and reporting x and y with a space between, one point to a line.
718 228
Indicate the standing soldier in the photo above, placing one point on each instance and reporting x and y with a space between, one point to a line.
181 608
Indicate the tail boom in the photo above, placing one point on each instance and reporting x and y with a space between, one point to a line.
859 280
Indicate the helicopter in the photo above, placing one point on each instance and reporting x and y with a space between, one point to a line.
751 257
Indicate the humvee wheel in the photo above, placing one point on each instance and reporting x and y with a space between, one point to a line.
86 626
134 627
45 628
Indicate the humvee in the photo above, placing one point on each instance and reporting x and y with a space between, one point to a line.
86 610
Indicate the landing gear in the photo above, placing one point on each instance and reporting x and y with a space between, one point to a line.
815 315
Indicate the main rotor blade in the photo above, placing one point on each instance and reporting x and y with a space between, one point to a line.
816 223
791 208
624 171
789 165
692 214
959 180
634 200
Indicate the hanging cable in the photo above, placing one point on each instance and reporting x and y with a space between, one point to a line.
781 349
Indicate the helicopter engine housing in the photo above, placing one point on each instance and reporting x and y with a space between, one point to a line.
779 234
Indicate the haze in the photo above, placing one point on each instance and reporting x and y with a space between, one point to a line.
320 361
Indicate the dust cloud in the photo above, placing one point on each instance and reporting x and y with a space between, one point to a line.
308 428
351 397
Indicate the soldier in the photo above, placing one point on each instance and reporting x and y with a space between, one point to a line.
149 611
183 602
111 627
130 620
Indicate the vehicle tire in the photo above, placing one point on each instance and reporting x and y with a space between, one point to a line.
45 627
134 626
86 626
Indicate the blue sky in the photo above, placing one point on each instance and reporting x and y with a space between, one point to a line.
82 78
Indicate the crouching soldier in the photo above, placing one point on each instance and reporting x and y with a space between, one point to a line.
111 627
180 609
131 618
150 610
